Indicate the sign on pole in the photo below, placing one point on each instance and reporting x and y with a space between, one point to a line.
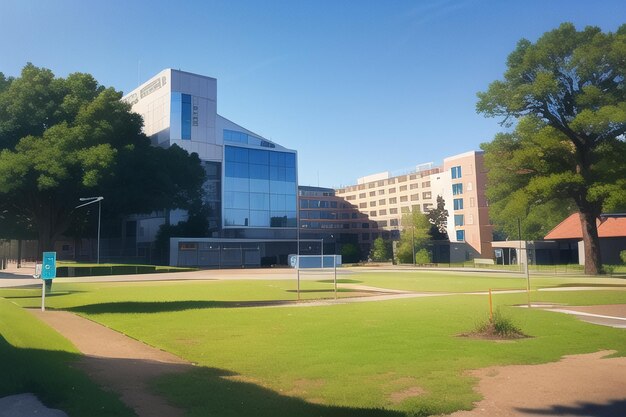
49 268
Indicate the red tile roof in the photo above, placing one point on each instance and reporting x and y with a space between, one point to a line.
570 228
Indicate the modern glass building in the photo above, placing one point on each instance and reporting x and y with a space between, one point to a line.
251 190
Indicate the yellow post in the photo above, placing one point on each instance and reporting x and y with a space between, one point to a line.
490 307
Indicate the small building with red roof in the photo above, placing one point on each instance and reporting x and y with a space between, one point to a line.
569 236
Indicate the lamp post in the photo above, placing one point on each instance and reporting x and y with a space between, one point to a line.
91 200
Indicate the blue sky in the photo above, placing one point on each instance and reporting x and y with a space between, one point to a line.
357 87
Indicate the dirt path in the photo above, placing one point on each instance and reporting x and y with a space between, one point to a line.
117 362
580 385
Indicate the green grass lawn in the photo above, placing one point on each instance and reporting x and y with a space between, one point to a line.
36 359
339 360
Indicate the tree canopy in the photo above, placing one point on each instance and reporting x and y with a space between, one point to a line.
415 228
66 138
565 97
438 218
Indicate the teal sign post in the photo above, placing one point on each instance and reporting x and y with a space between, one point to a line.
49 268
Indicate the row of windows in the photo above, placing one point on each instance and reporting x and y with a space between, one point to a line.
393 190
319 204
390 181
260 157
414 197
259 201
259 218
241 137
331 215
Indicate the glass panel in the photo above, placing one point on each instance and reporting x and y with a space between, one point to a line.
261 172
290 202
261 186
242 200
277 202
290 160
259 201
233 217
259 157
259 218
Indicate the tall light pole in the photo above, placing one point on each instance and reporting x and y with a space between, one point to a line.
91 200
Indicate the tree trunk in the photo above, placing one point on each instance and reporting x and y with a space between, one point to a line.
591 242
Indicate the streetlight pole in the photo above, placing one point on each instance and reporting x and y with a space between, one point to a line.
91 200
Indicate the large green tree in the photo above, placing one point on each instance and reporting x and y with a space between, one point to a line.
565 96
66 138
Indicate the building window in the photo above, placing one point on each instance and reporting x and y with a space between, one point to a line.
426 207
362 205
460 235
371 185
402 188
456 172
427 195
372 193
457 189
414 186
372 204
426 184
382 212
362 195
381 192
393 211
382 223
459 220
366 236
373 213
392 190
185 117
404 199
382 202
415 197
405 209
393 222
458 203
365 226
393 200
350 197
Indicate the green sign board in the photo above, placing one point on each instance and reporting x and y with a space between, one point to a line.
49 267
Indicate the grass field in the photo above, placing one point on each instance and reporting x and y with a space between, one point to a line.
337 360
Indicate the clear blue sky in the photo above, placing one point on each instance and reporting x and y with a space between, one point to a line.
357 87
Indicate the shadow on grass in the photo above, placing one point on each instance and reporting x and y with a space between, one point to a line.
59 380
170 306
215 392
610 409
51 376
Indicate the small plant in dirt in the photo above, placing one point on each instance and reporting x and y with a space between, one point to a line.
499 327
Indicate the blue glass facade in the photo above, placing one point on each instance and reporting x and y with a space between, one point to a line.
259 188
180 116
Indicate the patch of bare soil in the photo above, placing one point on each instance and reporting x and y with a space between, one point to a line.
578 385
118 363
399 396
